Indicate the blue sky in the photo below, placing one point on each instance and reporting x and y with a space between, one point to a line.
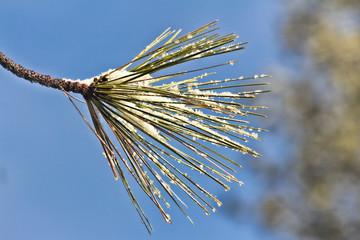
55 183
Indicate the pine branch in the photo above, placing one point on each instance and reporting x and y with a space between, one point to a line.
158 124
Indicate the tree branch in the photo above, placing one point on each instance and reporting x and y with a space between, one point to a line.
45 80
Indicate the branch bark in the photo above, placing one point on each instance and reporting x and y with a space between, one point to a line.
45 80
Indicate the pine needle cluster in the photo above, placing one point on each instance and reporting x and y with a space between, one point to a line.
148 114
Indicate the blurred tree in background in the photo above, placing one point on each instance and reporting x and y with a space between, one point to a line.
314 193
311 183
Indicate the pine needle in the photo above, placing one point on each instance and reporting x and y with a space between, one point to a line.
148 115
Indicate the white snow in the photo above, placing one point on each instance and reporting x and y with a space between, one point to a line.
115 75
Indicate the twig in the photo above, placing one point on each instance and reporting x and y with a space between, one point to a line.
45 80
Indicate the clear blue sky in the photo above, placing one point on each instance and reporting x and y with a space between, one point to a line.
54 182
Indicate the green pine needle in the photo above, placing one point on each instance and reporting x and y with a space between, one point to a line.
148 115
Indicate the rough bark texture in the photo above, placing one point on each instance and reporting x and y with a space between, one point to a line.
45 80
